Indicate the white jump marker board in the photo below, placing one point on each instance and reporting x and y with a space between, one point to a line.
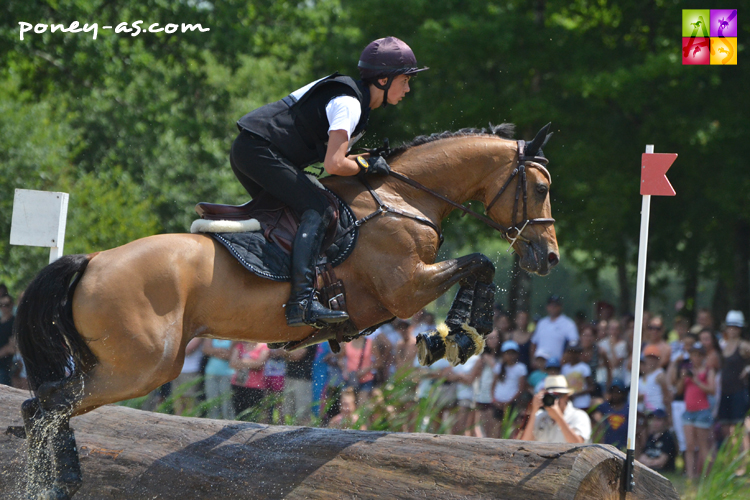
39 220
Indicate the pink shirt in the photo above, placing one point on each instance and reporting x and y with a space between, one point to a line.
255 379
695 398
357 360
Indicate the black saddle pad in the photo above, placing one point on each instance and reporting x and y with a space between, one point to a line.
266 259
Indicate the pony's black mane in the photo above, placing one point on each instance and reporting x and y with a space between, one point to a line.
504 130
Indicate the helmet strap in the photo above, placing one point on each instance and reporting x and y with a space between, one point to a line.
385 89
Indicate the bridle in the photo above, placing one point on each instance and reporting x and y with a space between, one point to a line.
521 187
512 233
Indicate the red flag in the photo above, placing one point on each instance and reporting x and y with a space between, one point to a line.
654 168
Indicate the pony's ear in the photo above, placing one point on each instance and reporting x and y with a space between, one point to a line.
540 140
546 139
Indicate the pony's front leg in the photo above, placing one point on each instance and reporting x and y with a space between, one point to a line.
470 317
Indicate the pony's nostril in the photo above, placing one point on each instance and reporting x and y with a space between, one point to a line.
553 258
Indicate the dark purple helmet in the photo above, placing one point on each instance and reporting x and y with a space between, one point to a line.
387 57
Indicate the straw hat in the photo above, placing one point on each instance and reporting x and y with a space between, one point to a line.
557 384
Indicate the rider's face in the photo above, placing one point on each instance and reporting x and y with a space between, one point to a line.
399 88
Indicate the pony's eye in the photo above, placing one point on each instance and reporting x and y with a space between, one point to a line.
542 188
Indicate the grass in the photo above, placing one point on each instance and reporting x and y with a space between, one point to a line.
722 482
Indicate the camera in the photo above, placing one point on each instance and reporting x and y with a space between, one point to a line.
549 399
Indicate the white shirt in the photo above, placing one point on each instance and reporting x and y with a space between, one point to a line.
653 396
576 375
506 389
343 112
423 389
546 430
483 392
192 362
550 336
464 391
393 336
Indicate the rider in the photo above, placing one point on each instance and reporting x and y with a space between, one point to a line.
318 123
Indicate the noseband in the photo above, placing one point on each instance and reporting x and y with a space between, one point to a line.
519 171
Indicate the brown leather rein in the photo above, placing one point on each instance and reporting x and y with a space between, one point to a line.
521 189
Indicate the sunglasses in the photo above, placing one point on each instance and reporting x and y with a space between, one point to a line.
654 327
8 304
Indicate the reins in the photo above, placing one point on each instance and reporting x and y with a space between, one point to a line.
521 188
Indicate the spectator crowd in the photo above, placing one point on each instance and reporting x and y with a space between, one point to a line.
556 379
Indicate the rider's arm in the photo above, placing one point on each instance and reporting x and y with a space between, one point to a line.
336 161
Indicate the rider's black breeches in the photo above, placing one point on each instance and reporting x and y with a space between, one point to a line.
259 166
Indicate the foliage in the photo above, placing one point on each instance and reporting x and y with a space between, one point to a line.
156 113
723 482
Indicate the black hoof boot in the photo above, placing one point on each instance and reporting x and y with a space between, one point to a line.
430 347
482 308
67 465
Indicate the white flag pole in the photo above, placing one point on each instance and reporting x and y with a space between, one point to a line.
640 291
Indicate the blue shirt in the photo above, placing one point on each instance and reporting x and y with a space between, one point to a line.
216 366
615 425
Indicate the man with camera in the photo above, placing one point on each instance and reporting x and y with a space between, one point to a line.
553 417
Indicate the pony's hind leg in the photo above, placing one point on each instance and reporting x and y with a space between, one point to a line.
54 470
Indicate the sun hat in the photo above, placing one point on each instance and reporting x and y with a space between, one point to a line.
735 318
510 345
540 353
558 384
554 363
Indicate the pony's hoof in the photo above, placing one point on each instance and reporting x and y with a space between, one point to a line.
459 347
430 347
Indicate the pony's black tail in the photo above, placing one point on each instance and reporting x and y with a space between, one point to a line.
51 347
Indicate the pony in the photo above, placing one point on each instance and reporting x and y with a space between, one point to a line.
113 325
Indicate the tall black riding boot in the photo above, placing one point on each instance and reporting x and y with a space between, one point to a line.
303 308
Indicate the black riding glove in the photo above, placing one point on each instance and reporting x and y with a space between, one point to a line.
374 165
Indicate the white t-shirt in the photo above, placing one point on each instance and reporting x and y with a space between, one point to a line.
576 375
483 386
423 389
550 336
192 362
506 389
343 112
464 391
546 430
393 336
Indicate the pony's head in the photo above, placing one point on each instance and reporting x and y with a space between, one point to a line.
520 201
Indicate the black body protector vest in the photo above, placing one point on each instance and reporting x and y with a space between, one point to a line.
299 129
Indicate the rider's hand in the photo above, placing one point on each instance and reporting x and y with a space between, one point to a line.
375 165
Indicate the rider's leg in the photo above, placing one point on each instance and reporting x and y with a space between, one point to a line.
303 308
264 165
240 150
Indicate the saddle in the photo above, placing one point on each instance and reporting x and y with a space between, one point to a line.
267 252
278 222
